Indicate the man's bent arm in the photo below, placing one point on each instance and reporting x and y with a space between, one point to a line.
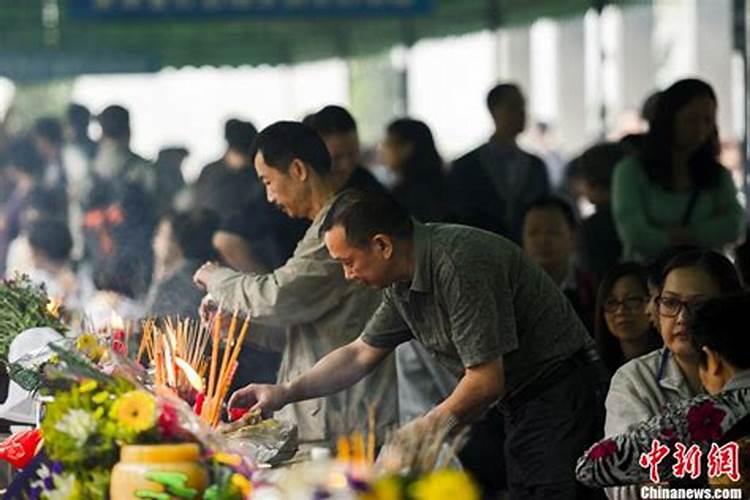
478 389
336 371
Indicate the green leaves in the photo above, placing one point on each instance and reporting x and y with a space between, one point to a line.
23 305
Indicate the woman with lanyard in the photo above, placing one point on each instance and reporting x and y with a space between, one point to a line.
642 387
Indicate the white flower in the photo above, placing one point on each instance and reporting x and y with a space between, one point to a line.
42 473
78 424
65 488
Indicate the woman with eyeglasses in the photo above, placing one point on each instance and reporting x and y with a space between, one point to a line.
623 329
642 387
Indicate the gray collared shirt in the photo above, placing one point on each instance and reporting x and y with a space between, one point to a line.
321 311
475 297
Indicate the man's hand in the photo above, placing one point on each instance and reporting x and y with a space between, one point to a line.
264 397
201 276
208 308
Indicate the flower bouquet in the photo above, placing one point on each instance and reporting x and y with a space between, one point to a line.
104 436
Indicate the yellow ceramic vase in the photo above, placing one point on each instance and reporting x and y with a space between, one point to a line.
129 475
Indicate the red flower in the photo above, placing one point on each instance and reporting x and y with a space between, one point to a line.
602 449
704 422
668 434
169 421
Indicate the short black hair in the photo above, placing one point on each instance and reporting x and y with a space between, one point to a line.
115 122
49 128
193 231
714 324
240 135
499 92
48 202
24 157
117 274
365 214
331 120
284 141
78 116
598 163
51 236
554 203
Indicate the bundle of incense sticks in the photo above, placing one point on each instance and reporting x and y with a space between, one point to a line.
176 351
352 449
221 375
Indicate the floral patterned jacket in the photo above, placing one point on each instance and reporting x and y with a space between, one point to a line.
703 420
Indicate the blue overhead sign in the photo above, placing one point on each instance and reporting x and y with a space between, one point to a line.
264 8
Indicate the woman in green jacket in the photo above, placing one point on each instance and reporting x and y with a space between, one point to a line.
674 191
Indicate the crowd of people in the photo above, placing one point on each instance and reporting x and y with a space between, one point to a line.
471 290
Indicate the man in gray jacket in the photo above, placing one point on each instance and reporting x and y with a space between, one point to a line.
308 295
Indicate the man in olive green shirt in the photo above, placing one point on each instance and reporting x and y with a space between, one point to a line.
489 315
309 294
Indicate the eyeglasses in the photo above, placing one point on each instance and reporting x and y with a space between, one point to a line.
671 306
631 303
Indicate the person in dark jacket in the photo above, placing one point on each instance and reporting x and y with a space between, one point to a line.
493 184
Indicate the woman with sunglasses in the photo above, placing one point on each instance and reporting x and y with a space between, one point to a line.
623 329
642 387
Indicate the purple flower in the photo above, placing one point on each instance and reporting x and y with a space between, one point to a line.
321 494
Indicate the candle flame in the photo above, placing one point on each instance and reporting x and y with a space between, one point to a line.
53 307
195 380
116 322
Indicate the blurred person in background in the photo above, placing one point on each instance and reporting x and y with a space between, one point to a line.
674 190
78 153
115 162
493 185
409 151
600 247
225 185
169 179
336 126
76 130
39 204
549 240
116 294
25 168
47 134
181 244
51 244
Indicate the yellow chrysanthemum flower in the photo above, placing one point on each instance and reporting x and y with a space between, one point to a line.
88 345
87 386
228 459
100 397
242 484
445 484
135 411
